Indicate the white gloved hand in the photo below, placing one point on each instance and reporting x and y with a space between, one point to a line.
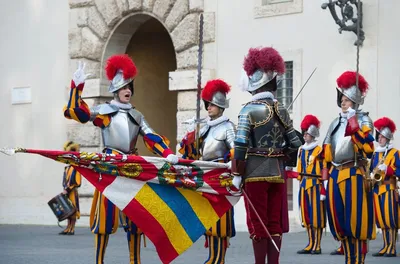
288 168
326 185
350 113
237 180
382 167
79 75
229 164
172 158
322 197
191 123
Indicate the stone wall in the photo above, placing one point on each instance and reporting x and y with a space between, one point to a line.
100 28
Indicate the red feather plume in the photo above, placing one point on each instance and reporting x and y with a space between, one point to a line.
212 87
385 122
309 120
348 79
120 62
266 59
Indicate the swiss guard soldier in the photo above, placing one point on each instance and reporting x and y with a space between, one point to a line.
120 124
216 144
312 190
385 168
347 147
264 135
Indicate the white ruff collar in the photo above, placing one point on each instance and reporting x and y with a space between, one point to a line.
263 95
308 146
383 149
121 105
217 121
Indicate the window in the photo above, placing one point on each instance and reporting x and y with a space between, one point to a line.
285 87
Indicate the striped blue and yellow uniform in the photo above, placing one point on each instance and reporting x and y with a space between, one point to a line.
71 182
313 210
386 200
104 214
350 208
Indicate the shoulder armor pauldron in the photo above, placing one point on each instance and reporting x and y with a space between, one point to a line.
136 115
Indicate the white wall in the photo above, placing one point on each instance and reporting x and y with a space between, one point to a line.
34 53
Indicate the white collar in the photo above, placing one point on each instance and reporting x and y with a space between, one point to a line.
121 105
383 149
308 146
263 95
217 121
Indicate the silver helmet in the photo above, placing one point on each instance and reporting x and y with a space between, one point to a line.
120 70
215 92
260 78
313 131
310 125
263 65
118 82
353 93
386 127
219 99
347 86
386 133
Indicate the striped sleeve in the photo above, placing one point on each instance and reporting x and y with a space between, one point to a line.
363 141
76 108
188 146
157 144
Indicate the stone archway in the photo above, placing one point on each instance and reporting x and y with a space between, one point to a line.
100 28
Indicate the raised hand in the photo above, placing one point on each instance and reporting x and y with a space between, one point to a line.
79 75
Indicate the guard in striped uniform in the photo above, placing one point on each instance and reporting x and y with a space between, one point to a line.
71 182
312 190
120 124
385 164
347 146
216 144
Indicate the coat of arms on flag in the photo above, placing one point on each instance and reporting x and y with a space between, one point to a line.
172 204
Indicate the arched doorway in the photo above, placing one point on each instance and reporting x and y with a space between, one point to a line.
152 50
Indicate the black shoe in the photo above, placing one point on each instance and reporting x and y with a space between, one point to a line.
389 255
378 254
303 251
63 233
316 252
336 252
70 233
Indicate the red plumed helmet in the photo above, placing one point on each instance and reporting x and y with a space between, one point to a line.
348 79
309 120
123 63
385 126
346 85
120 70
310 125
215 92
262 65
266 59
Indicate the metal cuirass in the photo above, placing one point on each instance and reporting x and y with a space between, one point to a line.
342 146
268 131
122 133
218 140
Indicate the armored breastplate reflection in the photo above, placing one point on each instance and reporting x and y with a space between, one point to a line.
342 146
122 132
214 146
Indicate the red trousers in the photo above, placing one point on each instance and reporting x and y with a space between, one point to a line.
267 200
